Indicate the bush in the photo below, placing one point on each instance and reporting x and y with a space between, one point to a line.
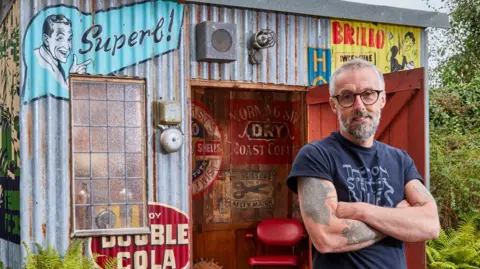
457 248
49 258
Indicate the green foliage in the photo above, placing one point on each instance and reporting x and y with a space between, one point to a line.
454 174
2 266
456 249
461 41
49 258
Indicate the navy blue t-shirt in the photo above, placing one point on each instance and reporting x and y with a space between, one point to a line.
375 175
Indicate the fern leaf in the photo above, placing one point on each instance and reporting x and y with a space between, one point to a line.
443 265
111 263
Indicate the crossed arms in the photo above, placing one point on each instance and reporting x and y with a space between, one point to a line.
340 227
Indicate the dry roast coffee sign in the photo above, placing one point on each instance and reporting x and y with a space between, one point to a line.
207 149
165 247
262 133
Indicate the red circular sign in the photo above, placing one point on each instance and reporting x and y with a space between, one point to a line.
165 247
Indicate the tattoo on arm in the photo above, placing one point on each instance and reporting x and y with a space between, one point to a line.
315 193
422 191
358 232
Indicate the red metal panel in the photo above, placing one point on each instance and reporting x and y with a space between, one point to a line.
402 126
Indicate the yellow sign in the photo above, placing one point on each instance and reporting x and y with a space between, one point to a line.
391 48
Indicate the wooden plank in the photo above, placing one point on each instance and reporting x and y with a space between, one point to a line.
245 248
314 119
238 85
398 101
399 129
328 121
220 246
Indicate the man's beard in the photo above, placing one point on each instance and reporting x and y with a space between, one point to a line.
361 131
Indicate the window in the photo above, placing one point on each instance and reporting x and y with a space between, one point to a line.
108 155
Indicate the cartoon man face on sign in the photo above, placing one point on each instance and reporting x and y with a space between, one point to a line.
56 48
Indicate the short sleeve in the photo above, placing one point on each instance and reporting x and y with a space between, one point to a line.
311 161
411 171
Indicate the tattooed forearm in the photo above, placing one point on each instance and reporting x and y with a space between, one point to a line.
315 193
422 191
357 232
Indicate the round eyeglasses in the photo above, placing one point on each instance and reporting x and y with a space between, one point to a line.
348 99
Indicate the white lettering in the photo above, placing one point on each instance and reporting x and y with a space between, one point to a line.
140 259
120 259
183 234
157 234
108 241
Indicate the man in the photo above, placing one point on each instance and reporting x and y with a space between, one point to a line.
352 188
56 47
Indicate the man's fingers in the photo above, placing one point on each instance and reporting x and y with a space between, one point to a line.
87 62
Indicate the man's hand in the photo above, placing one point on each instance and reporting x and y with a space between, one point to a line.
79 68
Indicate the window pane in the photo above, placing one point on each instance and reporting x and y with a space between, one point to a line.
117 191
82 165
99 165
120 212
116 91
116 114
83 217
98 91
104 218
98 112
82 191
135 216
80 91
134 139
116 139
80 112
133 114
132 92
100 191
99 139
116 164
134 165
81 138
135 190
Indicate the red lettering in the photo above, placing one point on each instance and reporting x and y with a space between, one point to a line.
380 39
371 38
358 36
364 36
337 33
348 32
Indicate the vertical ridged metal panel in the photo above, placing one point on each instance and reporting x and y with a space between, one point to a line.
44 127
285 63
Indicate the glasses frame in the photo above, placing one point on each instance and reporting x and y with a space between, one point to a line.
355 98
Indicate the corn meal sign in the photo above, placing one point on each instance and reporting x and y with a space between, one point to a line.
391 48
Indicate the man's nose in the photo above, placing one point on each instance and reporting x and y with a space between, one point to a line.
358 105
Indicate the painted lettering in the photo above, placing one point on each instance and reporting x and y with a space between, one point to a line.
348 35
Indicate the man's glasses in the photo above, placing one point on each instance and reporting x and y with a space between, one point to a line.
347 99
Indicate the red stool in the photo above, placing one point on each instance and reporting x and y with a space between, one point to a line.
278 232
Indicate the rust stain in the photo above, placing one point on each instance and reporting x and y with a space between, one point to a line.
29 133
44 229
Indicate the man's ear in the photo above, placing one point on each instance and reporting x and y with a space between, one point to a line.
333 105
45 39
383 99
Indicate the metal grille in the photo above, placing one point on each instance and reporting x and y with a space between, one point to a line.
108 155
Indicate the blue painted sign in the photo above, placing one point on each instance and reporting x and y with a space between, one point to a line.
319 66
61 40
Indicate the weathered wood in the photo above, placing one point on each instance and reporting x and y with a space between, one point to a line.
247 86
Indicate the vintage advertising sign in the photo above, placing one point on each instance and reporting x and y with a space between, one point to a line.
391 48
166 246
262 133
206 149
61 39
319 66
250 189
10 209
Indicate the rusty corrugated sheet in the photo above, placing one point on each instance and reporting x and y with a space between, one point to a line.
285 63
45 200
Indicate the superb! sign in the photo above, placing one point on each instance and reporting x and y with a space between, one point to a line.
166 247
62 39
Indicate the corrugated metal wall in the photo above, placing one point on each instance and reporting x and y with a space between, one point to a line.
45 200
294 34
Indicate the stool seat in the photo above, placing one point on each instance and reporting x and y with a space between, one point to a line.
281 260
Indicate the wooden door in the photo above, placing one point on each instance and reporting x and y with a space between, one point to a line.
402 126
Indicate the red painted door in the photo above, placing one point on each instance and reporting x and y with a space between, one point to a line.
402 126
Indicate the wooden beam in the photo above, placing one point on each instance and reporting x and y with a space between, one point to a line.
393 107
202 83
